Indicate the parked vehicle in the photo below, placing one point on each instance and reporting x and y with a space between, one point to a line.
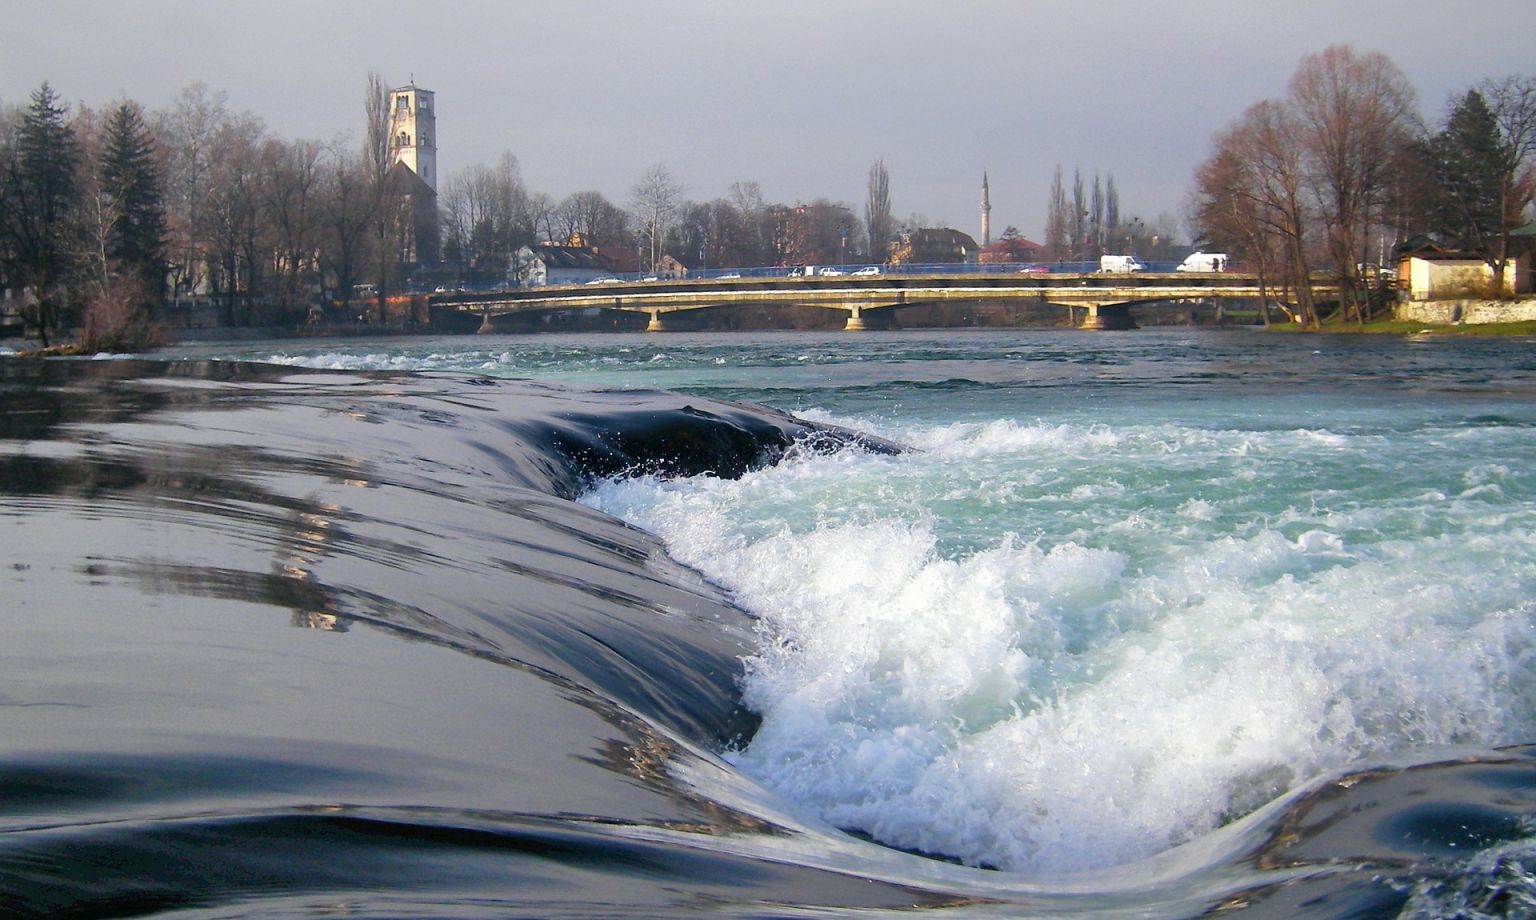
1203 262
868 270
830 271
1120 264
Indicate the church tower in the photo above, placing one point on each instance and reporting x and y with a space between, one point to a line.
413 132
986 213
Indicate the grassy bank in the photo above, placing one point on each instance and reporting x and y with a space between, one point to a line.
1335 324
1404 327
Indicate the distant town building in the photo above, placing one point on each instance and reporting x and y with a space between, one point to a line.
935 245
1011 249
413 172
413 131
986 213
670 269
547 263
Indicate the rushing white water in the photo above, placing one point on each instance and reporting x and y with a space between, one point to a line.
1122 590
1051 646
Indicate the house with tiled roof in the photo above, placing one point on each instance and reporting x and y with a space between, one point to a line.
548 263
934 245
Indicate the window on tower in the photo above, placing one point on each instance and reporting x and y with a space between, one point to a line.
403 103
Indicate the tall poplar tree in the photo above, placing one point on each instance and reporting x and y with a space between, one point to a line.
1058 224
877 211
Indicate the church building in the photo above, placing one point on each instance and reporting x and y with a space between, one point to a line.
413 171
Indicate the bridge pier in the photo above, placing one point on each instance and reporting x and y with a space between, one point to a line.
1108 316
855 320
656 324
486 327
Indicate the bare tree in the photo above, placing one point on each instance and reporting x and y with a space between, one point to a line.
1228 212
488 215
346 206
655 200
390 221
1058 221
186 132
589 215
540 216
232 209
753 245
1513 103
289 186
1513 100
98 210
877 211
1082 233
1253 191
1353 112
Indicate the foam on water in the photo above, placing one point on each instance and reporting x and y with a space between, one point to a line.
1051 647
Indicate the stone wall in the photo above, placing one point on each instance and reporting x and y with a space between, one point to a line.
1467 311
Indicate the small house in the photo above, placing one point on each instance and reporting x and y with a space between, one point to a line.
551 264
1431 273
937 245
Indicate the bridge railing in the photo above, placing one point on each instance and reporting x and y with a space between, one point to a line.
854 269
905 268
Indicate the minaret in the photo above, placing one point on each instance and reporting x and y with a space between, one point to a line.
413 131
986 213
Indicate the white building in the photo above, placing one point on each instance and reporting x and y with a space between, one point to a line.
413 131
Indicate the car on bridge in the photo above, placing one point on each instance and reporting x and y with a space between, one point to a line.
831 271
868 270
1120 264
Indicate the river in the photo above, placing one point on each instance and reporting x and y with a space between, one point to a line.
1150 623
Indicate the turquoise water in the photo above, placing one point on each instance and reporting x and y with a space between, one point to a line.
1122 589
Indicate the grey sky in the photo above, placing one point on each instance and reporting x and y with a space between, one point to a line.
797 95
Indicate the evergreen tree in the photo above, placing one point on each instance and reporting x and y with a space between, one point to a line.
42 198
1470 160
130 174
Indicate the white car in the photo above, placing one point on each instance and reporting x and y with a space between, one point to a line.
868 270
608 280
831 271
729 275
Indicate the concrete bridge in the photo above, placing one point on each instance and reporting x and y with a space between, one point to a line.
869 300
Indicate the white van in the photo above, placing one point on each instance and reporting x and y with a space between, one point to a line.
1204 262
1120 264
